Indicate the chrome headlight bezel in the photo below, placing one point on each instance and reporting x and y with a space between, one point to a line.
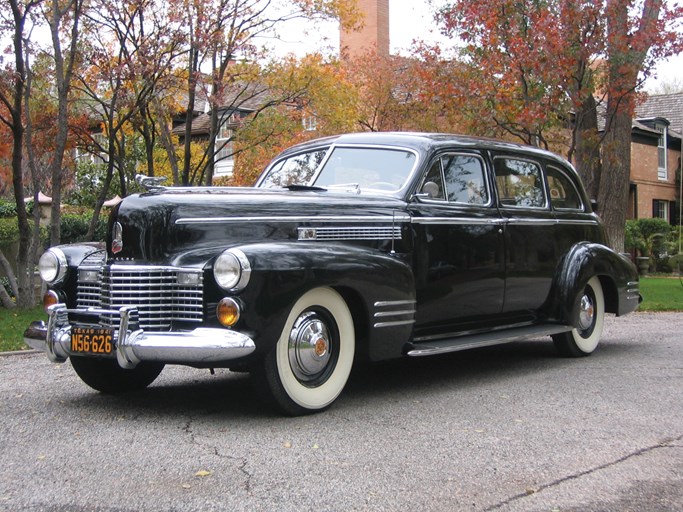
232 270
53 266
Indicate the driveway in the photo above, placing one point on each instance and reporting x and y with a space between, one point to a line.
505 428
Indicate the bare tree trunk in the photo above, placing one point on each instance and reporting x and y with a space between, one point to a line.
586 146
191 93
63 74
614 182
626 55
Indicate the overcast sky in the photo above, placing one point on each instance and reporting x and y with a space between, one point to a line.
409 20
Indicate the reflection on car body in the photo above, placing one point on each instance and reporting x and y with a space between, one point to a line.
372 245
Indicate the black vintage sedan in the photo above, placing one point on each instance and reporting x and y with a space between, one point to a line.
369 245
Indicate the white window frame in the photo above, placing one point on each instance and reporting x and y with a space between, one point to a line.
662 163
663 207
223 144
310 123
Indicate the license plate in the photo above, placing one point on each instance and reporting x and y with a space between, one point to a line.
92 340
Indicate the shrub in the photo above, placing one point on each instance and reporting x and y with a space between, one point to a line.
650 238
9 231
8 209
74 228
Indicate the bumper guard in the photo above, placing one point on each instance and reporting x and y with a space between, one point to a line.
202 346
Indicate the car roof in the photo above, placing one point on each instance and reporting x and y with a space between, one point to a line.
423 142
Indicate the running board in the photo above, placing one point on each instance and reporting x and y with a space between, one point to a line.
442 346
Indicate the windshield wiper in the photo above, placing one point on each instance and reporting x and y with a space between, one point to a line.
298 188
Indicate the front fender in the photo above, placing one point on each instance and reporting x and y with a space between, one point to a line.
378 288
618 276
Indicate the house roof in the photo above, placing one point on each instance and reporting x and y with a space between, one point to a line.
240 99
667 106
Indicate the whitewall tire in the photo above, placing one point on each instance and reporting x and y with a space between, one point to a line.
311 362
584 338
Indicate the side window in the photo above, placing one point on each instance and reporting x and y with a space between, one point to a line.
563 193
465 181
433 183
519 183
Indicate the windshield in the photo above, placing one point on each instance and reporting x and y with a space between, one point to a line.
350 168
295 170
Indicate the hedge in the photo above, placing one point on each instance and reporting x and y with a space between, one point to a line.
74 227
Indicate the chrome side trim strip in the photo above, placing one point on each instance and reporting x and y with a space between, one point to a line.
380 304
459 221
394 324
405 308
399 218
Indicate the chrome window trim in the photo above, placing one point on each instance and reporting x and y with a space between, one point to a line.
582 208
459 204
544 185
270 166
407 181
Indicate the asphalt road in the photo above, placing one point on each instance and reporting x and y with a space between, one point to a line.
505 428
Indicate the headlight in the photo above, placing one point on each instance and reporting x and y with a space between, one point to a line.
52 265
232 270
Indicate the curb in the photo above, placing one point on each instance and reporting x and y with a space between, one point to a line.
19 352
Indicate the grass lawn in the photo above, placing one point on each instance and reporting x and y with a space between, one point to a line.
659 294
13 323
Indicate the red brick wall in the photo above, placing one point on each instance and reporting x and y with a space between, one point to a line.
644 175
375 31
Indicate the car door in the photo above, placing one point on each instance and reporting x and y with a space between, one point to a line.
531 248
459 246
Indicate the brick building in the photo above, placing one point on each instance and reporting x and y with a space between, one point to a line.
375 31
656 158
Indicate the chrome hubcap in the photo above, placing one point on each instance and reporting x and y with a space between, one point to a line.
586 312
309 347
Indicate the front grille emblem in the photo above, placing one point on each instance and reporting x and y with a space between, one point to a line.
117 238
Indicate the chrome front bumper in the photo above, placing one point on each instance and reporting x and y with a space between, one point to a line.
202 346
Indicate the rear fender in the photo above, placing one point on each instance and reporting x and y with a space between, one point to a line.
583 261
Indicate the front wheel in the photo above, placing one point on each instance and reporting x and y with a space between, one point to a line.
311 362
106 376
584 338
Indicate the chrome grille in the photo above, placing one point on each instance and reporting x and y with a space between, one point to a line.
351 233
157 292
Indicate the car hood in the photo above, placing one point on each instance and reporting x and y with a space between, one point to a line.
170 225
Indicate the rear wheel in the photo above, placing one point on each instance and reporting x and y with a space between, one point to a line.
584 339
107 376
311 362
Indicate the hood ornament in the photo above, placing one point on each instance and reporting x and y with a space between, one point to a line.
150 182
116 238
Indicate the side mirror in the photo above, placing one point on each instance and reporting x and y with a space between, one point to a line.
594 205
431 189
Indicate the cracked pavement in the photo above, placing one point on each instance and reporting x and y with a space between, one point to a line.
508 428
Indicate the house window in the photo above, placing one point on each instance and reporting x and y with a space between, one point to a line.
661 152
95 152
660 209
310 123
223 143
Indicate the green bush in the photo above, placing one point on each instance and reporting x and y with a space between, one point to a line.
8 209
74 228
9 231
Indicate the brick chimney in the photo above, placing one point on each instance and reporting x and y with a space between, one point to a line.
375 31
